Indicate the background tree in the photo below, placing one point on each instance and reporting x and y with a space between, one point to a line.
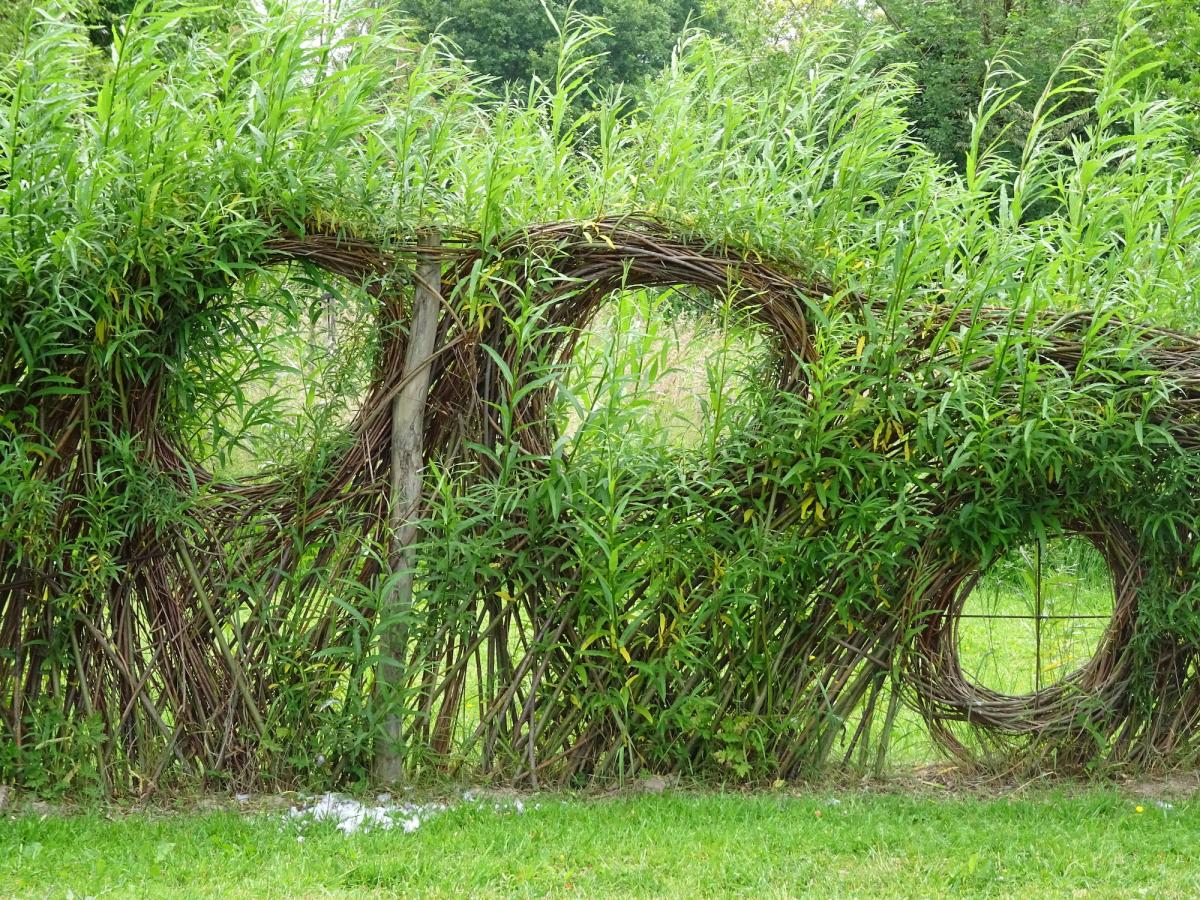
103 17
1175 27
12 19
947 45
514 40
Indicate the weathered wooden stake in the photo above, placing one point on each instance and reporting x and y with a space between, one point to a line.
407 462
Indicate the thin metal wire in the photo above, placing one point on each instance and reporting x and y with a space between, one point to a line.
1029 618
1037 628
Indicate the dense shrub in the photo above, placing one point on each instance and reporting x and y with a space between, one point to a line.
978 370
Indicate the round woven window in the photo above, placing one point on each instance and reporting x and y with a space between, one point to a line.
1081 700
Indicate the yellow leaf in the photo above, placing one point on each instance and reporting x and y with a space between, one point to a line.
862 343
746 516
625 653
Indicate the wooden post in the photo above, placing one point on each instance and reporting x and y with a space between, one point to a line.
407 462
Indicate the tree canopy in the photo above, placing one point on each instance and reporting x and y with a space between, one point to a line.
514 40
1175 27
947 46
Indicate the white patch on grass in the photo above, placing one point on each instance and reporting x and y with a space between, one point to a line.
351 816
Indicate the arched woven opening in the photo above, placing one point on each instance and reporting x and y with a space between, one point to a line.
362 267
1036 614
277 371
576 268
676 366
1081 707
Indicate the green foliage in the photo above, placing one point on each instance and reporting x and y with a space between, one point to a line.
516 40
12 27
101 19
1174 26
620 601
948 45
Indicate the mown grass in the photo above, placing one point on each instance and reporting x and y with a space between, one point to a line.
1094 843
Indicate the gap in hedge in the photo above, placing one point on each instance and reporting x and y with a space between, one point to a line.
1064 591
277 369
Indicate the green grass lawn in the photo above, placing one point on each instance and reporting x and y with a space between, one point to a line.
1063 843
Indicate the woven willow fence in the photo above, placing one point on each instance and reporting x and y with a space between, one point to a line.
245 642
